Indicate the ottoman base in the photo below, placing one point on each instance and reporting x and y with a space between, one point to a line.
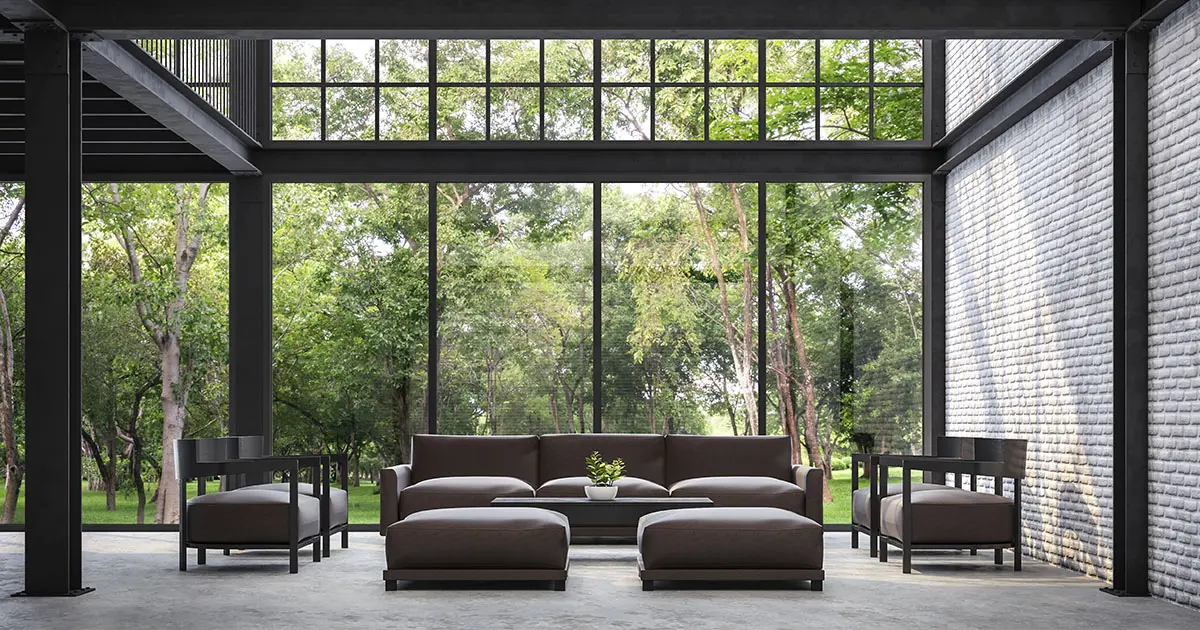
392 577
815 576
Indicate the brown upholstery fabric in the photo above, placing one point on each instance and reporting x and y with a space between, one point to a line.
690 456
391 481
730 538
743 492
861 499
626 487
454 492
479 538
562 455
950 516
339 500
811 480
436 456
249 516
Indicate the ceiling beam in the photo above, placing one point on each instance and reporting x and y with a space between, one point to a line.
26 13
154 91
265 19
627 162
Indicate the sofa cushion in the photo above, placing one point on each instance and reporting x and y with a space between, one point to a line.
436 456
562 455
743 492
339 500
949 516
730 538
452 492
249 516
691 456
479 538
861 499
626 487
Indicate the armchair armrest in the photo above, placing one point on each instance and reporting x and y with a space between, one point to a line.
814 497
391 482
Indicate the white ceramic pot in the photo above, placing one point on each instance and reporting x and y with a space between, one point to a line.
600 493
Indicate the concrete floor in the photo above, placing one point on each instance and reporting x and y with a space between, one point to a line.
139 587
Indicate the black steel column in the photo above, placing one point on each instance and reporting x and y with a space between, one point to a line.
53 188
933 256
597 280
435 346
250 308
1131 132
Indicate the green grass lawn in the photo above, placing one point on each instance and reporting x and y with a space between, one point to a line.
364 503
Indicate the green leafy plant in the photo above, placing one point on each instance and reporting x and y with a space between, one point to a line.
601 473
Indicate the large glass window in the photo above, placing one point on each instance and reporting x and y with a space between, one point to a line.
558 90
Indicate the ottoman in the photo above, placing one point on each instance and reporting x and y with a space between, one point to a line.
730 544
478 544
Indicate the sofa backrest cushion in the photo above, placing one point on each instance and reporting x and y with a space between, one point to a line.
436 456
562 455
691 456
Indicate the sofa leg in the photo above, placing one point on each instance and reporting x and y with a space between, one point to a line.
200 556
226 552
999 557
816 585
647 585
560 585
391 585
346 538
974 552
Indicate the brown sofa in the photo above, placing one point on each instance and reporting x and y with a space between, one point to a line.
469 471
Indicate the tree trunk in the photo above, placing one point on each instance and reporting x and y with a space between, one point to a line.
402 412
174 407
781 364
809 389
554 408
13 470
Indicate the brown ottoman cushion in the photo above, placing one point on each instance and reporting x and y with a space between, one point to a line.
572 487
479 538
730 538
249 516
950 516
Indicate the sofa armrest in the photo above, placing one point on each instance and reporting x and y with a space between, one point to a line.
391 482
814 495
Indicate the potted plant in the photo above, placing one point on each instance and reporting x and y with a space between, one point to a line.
604 477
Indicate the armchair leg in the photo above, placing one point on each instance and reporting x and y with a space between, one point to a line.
874 545
294 559
907 557
317 550
182 556
883 550
326 545
853 537
345 539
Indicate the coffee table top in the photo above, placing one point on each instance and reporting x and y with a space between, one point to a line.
625 512
663 502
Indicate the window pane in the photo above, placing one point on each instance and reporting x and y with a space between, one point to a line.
791 61
733 61
734 113
515 113
844 113
845 61
350 113
791 114
403 60
679 114
626 114
515 276
569 60
898 61
296 113
898 113
404 113
679 61
844 283
350 60
461 61
516 61
625 60
462 113
296 61
679 336
568 113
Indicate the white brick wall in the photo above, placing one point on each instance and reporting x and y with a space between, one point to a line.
977 68
1029 314
1175 307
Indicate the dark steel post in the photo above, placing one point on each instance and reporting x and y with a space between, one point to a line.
431 393
762 300
933 256
53 188
250 311
597 279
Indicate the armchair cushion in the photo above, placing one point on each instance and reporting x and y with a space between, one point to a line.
626 487
449 492
743 492
949 516
249 516
339 500
861 499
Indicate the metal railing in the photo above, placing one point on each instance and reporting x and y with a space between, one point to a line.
221 71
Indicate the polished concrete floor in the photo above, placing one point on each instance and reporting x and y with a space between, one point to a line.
138 587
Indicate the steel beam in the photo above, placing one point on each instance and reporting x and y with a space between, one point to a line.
250 238
153 90
608 162
53 188
1064 67
237 19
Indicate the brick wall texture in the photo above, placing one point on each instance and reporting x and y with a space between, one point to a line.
977 68
1029 314
1175 307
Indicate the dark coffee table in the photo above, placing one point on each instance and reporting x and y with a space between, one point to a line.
618 517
